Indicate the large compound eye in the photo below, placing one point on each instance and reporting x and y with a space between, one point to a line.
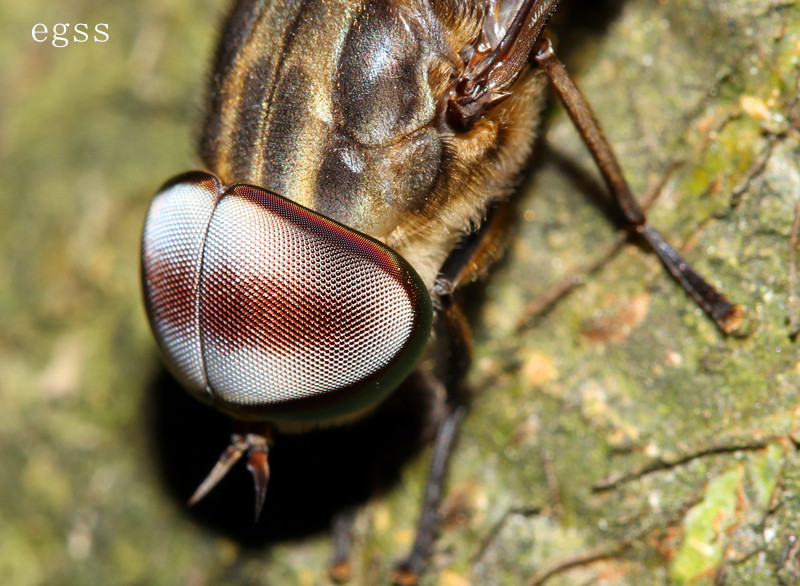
269 310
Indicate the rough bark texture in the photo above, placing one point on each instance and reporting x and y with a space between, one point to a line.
618 438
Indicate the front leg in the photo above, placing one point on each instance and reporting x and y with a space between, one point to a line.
408 570
464 264
447 423
488 79
726 315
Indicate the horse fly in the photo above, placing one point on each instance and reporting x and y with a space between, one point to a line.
355 150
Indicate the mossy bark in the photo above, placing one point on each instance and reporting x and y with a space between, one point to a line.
620 431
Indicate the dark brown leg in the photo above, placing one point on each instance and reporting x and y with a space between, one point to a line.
488 79
408 570
464 264
726 315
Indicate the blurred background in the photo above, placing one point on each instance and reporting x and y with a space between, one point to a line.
618 429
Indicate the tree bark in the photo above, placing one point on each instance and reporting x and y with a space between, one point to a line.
616 435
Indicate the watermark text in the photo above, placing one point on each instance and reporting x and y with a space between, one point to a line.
59 35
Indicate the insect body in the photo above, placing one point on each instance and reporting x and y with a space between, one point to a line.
341 107
392 127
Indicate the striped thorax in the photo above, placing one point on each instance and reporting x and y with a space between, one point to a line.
340 106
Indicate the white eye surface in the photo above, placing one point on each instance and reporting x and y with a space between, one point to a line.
272 311
172 254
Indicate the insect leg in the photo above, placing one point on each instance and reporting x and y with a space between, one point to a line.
463 265
727 316
342 530
408 570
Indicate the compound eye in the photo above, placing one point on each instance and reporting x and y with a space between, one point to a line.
172 259
272 311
